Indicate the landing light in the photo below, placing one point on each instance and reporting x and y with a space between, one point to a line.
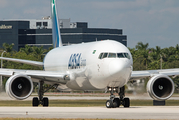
66 77
111 88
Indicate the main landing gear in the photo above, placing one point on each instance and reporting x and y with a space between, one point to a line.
42 100
115 101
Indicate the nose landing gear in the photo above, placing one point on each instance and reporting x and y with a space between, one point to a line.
115 101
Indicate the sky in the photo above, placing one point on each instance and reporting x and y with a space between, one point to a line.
149 21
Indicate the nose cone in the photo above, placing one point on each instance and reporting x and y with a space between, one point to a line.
118 68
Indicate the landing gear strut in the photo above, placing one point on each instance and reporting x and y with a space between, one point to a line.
115 101
42 100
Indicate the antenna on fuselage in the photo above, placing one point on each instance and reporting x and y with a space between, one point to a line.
56 36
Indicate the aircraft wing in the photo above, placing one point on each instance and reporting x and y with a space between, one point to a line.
36 75
30 62
149 73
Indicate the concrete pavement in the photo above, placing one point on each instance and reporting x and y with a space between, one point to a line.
139 112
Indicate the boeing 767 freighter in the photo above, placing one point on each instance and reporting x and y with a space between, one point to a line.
100 65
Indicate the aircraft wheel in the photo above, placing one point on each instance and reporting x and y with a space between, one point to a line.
35 102
126 102
109 104
116 102
45 102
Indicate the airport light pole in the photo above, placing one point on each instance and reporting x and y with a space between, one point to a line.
1 68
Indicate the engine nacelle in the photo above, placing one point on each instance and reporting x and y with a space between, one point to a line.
19 86
160 87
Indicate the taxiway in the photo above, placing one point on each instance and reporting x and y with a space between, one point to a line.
149 112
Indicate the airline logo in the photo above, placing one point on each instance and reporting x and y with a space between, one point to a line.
76 61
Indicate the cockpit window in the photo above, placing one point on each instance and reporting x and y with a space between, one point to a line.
105 55
112 55
120 55
123 55
100 56
127 55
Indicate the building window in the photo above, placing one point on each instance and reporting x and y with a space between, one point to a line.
45 24
38 24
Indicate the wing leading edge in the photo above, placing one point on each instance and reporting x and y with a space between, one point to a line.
30 62
149 73
36 75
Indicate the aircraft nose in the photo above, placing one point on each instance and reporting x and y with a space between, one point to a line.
118 68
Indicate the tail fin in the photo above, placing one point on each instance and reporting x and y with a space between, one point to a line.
57 41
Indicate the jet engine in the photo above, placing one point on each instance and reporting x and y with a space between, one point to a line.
160 87
19 86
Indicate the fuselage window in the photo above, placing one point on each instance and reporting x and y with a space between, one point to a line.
112 55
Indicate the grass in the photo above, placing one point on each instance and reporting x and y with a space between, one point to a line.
83 103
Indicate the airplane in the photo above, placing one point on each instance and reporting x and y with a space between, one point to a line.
100 65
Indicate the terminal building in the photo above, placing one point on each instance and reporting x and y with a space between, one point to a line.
39 33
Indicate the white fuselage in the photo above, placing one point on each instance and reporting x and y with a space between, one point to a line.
87 70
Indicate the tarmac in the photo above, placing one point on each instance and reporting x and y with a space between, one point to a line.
134 112
139 112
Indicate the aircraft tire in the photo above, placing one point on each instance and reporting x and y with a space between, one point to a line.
109 104
126 102
35 102
116 102
45 102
